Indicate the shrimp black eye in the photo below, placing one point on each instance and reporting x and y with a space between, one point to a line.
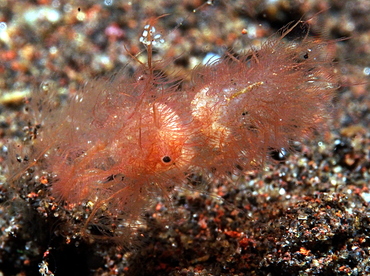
141 78
166 159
